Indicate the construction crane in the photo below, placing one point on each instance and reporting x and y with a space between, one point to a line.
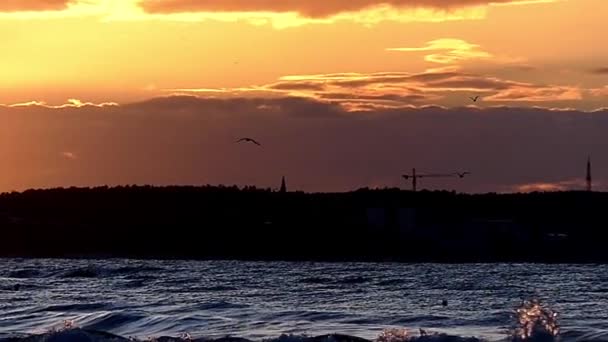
414 176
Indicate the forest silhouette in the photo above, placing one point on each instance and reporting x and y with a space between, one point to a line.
220 222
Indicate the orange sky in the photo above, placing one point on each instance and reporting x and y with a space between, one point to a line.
525 53
155 91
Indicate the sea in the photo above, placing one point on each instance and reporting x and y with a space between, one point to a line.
298 301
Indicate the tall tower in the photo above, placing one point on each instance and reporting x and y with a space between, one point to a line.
283 185
588 178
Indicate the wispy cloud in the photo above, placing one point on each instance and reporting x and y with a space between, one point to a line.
71 103
450 51
566 185
313 9
533 93
599 92
600 71
69 155
398 89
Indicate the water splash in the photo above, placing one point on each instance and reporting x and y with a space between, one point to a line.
403 335
394 335
66 325
535 322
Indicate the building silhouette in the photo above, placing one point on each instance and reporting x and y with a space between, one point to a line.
588 178
283 185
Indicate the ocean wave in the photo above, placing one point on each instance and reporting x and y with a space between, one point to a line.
110 320
340 281
220 306
218 288
97 321
127 270
88 271
420 318
133 284
585 336
82 307
68 335
16 287
354 280
535 323
24 274
317 280
390 282
82 272
91 335
210 299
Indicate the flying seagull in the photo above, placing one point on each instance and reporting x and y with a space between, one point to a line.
462 174
474 99
249 140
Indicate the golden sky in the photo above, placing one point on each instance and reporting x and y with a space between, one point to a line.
155 91
544 53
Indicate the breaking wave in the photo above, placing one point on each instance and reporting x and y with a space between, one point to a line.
89 271
535 323
392 335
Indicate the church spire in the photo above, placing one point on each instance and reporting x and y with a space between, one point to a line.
283 185
588 178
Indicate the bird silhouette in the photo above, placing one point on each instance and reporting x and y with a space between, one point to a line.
474 99
462 174
249 140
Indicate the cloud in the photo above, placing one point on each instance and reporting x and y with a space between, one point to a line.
33 5
278 13
71 103
69 155
566 185
307 8
533 93
357 91
282 14
600 71
450 51
473 83
599 92
317 145
297 86
371 98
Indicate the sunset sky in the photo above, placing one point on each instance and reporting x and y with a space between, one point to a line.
343 94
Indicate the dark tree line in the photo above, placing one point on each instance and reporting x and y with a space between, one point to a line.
249 223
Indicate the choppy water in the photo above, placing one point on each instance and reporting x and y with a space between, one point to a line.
258 300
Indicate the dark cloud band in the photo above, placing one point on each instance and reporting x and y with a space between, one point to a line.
32 5
600 71
309 8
